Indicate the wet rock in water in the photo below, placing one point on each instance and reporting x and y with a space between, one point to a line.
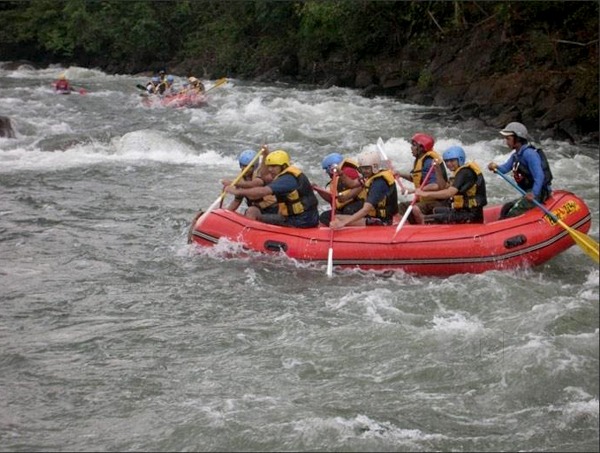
6 129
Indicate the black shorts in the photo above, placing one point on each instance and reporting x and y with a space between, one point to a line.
375 221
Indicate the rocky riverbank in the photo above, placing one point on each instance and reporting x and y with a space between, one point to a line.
558 103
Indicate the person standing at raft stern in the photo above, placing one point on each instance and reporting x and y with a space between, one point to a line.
467 191
379 194
422 150
195 85
162 82
296 201
530 168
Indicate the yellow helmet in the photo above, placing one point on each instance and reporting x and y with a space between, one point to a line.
62 76
278 157
193 80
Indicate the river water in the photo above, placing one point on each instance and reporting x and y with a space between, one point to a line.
116 335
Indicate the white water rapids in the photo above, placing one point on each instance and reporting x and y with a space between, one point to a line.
119 336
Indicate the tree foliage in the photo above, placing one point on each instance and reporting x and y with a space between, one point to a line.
242 38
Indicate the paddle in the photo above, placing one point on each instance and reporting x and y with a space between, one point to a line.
399 185
218 83
334 182
218 201
412 203
145 94
587 244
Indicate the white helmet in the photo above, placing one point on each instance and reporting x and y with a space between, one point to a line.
517 129
370 159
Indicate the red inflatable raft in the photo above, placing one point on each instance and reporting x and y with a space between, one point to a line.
190 100
524 241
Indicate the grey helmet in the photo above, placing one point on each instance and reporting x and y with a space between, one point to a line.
517 129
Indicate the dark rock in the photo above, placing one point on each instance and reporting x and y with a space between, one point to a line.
6 129
373 90
271 75
290 66
19 64
363 79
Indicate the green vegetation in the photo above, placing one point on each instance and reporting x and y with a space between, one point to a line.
244 38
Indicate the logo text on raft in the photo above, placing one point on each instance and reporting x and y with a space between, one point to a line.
563 212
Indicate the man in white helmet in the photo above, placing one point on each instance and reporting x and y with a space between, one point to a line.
530 169
195 85
379 194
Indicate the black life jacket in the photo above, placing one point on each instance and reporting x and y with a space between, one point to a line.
475 196
300 200
523 176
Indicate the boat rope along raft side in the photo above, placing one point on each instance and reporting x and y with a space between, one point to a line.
524 241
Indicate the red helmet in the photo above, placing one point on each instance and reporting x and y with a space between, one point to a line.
426 141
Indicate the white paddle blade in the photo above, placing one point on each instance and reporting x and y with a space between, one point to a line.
403 221
380 146
330 262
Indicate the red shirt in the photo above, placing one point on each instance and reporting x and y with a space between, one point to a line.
62 85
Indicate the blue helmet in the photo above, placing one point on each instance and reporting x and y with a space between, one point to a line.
155 79
170 78
455 152
246 157
330 160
